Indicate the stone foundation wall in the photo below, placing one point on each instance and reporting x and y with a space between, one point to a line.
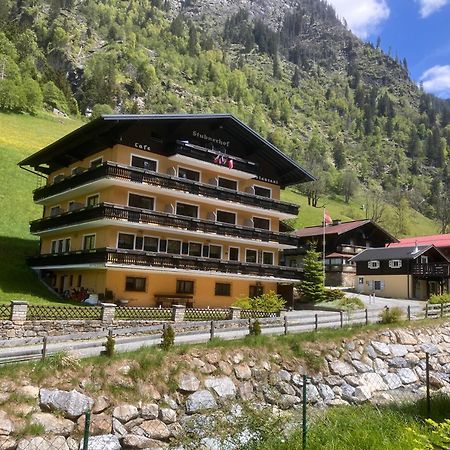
340 279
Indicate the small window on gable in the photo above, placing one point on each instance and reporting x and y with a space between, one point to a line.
373 264
424 260
395 263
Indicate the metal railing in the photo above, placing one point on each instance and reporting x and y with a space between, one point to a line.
137 175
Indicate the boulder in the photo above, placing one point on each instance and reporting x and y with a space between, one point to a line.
222 386
118 428
341 368
373 382
53 424
225 368
407 376
100 423
334 380
347 391
72 404
246 390
393 380
153 429
284 375
188 382
398 361
243 372
44 443
167 415
125 413
149 411
103 442
381 348
403 337
429 348
326 392
398 349
29 391
137 442
288 401
312 394
6 426
361 367
7 443
380 366
199 401
101 403
363 393
285 388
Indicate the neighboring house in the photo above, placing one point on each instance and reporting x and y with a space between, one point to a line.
163 209
413 272
440 241
343 240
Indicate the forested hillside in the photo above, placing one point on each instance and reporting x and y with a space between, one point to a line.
291 70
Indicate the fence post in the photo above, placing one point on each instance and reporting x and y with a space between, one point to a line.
235 313
442 309
367 317
19 310
342 318
87 425
44 347
178 312
108 312
427 373
316 324
409 312
426 311
285 324
213 325
282 313
304 414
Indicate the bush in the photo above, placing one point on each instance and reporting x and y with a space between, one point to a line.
332 295
168 337
350 303
438 438
110 345
391 315
270 302
438 299
254 328
243 303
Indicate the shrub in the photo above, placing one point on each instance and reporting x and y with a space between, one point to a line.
243 303
110 345
332 295
269 302
254 328
349 303
391 315
438 299
438 438
168 337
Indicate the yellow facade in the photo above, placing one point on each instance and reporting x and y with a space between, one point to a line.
391 286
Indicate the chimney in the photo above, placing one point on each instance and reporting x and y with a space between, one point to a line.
336 222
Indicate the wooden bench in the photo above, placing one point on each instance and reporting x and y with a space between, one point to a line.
167 301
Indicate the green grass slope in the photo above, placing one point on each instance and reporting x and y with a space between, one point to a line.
20 136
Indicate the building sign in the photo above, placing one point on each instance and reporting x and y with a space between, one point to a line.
142 146
205 137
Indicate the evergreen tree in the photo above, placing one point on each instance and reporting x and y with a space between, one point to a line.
276 67
312 286
296 78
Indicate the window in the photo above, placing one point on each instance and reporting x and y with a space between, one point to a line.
215 251
195 249
251 256
226 217
89 242
361 280
378 285
185 287
92 200
126 241
135 284
58 178
97 162
395 263
424 260
293 263
228 184
261 224
54 248
173 247
268 258
55 210
144 163
255 291
66 246
141 201
223 289
151 244
187 210
373 264
79 281
262 191
233 254
188 174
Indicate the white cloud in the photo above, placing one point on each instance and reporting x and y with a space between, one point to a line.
362 16
428 7
436 80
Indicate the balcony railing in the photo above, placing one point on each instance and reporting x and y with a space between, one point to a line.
165 261
137 175
136 215
352 249
431 270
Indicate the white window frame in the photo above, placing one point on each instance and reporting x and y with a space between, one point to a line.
73 170
189 204
143 242
263 187
143 157
192 170
395 263
221 251
95 241
97 194
201 248
423 259
140 195
229 179
57 175
263 218
373 264
96 159
226 211
167 245
360 280
239 253
123 232
253 250
273 258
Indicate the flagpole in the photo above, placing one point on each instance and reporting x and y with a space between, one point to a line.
323 246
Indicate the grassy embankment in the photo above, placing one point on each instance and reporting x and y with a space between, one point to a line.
22 135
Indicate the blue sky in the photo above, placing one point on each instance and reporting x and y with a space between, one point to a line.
416 29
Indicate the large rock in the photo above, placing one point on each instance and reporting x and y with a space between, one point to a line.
222 386
381 348
246 390
243 372
7 443
125 413
45 443
29 391
341 368
53 424
101 403
199 401
398 349
312 394
137 442
6 426
429 348
326 392
153 429
288 401
347 392
72 404
361 367
167 415
149 411
188 382
104 442
380 366
405 337
285 388
407 376
373 382
100 423
393 381
363 393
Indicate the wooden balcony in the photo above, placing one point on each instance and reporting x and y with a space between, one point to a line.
137 175
439 270
161 261
350 249
147 217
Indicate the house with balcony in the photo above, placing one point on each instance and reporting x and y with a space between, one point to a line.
343 240
163 209
413 272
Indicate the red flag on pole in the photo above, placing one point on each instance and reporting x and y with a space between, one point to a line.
326 217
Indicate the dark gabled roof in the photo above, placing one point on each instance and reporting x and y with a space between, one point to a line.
108 129
338 229
387 253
